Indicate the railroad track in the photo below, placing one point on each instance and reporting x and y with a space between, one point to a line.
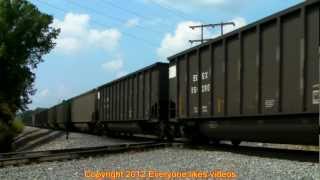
27 157
268 152
24 140
23 134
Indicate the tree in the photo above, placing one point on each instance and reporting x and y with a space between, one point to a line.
25 36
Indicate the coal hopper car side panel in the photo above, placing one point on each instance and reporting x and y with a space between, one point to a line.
183 87
84 110
173 91
130 99
233 76
218 84
193 77
205 78
312 37
147 94
60 116
265 73
141 96
250 72
125 99
155 94
63 115
106 108
44 118
136 98
52 117
269 100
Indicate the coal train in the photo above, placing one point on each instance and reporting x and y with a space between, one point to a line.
258 83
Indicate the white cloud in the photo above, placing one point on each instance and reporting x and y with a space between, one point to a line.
113 65
182 3
63 92
43 93
107 39
121 73
50 96
155 21
201 4
73 24
179 40
239 22
132 22
77 35
68 44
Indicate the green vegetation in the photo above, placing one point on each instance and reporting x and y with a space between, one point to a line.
25 36
6 136
8 132
17 126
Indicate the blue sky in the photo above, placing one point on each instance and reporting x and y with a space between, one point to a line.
101 40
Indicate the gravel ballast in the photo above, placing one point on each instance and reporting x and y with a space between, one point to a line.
77 140
170 160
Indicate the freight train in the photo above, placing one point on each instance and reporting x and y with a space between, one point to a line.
258 83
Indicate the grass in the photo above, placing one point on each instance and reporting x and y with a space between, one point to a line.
17 126
6 137
7 133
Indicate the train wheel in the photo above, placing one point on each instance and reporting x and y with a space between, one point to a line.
98 128
214 142
199 139
170 132
161 131
235 142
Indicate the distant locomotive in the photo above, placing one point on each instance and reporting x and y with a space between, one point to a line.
258 83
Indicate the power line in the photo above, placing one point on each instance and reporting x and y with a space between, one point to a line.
151 45
128 10
121 8
176 12
110 17
202 26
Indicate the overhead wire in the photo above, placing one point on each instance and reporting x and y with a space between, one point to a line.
151 45
114 18
114 5
176 12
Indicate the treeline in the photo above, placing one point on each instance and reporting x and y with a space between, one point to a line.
25 36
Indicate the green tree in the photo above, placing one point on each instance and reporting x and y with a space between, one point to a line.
25 36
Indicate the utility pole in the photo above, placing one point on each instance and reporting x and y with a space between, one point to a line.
209 25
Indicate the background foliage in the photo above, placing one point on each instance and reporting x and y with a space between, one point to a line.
25 36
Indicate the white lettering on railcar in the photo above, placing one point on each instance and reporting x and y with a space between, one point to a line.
195 77
98 96
269 103
205 88
213 125
194 89
130 113
172 72
204 109
316 94
204 75
195 109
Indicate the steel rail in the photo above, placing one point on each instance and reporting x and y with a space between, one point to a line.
26 157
